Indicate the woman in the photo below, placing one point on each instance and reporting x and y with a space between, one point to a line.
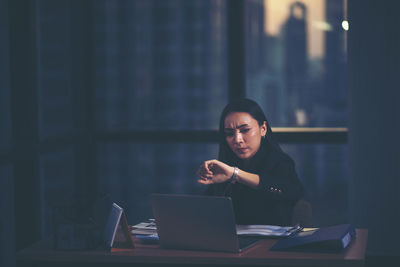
252 169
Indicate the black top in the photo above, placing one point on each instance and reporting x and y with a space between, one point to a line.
273 200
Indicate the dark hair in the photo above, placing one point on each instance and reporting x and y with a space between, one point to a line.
252 108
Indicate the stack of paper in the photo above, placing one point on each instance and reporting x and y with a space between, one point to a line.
267 230
144 228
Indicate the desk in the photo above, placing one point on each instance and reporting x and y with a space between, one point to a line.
41 254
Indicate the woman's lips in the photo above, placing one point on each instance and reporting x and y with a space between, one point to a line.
241 150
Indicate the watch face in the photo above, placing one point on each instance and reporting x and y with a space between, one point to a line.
234 175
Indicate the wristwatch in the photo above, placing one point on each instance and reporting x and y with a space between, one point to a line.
233 179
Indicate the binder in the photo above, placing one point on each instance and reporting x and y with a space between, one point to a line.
326 239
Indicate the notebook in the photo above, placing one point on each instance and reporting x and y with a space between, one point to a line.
197 223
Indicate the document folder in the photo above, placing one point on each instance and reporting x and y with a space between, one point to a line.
325 239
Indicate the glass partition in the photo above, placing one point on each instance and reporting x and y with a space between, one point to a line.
296 65
160 64
323 169
57 185
130 172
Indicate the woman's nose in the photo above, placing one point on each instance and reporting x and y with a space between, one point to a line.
238 138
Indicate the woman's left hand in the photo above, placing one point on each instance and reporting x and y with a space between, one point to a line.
214 171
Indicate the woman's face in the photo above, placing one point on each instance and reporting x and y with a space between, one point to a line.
243 134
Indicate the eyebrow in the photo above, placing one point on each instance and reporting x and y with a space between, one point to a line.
240 126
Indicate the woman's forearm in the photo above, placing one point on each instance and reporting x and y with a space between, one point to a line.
247 178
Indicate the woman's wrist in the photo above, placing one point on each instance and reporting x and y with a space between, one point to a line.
234 177
243 177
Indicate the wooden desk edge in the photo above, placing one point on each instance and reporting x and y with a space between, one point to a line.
353 256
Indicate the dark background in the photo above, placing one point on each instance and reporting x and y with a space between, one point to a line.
91 104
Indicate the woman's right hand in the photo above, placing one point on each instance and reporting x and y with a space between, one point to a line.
214 171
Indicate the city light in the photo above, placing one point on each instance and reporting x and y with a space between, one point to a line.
345 25
322 25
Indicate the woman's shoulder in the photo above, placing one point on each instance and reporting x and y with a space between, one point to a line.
274 155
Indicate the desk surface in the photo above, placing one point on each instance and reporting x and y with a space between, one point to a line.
259 254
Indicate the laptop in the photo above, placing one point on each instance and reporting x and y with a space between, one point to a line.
197 223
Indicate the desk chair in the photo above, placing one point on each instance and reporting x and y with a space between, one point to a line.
302 213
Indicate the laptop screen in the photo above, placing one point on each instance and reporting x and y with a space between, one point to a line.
195 222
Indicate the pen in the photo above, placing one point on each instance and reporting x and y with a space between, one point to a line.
295 229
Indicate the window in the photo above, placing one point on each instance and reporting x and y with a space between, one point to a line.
55 63
130 172
58 185
296 70
125 93
160 65
296 61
